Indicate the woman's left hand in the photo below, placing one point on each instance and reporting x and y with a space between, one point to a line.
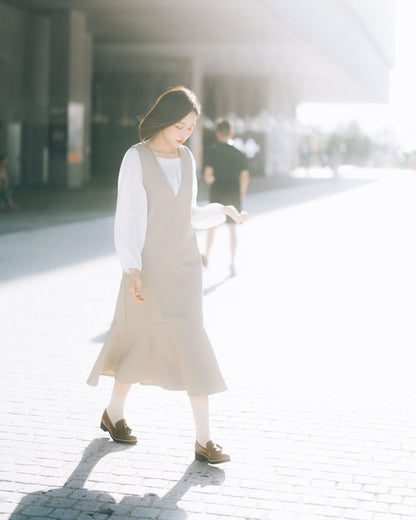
135 285
238 217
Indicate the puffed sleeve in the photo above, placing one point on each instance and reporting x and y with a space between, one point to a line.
204 216
131 213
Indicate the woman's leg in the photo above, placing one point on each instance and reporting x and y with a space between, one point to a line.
115 408
200 409
233 246
210 238
205 449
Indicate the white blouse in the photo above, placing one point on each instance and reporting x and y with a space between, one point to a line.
131 213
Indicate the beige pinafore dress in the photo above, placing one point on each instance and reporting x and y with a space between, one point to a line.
162 341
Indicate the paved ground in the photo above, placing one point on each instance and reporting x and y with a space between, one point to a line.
45 206
315 337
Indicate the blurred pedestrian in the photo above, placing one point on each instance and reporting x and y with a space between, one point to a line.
157 335
226 171
6 192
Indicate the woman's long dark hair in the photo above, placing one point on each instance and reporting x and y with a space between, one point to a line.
170 107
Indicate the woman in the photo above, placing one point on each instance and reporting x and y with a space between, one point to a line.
157 335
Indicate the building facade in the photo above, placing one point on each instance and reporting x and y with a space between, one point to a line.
75 74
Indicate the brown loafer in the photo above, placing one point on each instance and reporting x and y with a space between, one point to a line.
120 432
212 453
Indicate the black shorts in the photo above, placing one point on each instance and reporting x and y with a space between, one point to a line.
228 198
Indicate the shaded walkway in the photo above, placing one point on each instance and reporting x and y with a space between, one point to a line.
40 236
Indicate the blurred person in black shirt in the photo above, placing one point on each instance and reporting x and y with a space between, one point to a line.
226 172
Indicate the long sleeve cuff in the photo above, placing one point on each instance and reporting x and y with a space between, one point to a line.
208 216
129 259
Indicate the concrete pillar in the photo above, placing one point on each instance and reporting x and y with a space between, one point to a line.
70 110
38 95
13 86
281 142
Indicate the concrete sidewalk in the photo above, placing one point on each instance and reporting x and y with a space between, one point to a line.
315 336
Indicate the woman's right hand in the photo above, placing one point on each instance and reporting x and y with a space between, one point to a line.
232 212
135 285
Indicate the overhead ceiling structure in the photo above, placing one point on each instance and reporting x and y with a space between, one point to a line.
85 68
325 50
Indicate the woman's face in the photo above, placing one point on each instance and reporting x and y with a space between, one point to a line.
178 133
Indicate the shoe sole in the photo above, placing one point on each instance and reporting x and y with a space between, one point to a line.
105 429
202 458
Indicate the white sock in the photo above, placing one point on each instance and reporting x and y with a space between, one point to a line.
200 410
115 408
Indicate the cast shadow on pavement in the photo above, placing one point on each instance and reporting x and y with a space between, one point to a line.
96 504
101 337
213 287
278 199
85 239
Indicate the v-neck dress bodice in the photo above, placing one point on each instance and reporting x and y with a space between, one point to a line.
162 341
130 225
172 170
169 171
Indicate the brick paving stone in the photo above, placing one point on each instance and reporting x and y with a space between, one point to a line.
7 486
379 507
403 491
401 509
63 513
389 498
193 506
318 491
315 500
94 516
243 512
27 488
139 501
305 442
218 499
345 503
361 496
89 505
7 507
377 489
221 509
108 487
327 511
61 492
357 514
36 511
80 494
241 502
36 518
409 501
9 496
204 516
311 516
146 512
349 486
113 517
366 479
60 502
